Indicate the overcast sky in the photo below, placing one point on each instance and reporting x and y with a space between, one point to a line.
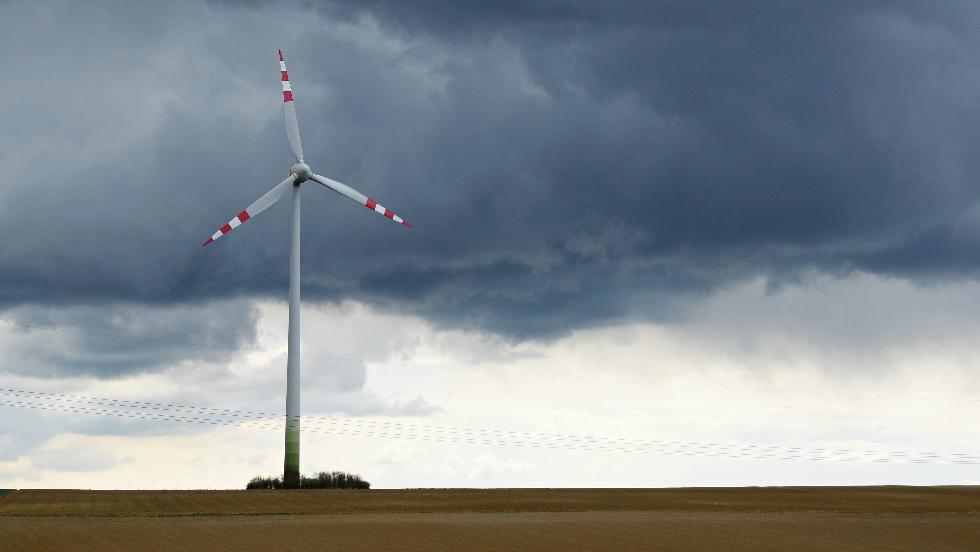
698 222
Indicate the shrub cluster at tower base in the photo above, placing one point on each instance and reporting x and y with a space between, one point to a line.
322 480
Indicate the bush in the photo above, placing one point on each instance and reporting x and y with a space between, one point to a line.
259 482
334 480
322 480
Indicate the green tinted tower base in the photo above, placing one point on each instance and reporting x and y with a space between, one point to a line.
290 476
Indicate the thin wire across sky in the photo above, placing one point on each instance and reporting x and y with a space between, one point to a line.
457 435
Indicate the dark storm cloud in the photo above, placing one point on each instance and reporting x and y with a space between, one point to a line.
566 164
110 340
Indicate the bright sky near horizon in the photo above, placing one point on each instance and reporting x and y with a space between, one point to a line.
740 225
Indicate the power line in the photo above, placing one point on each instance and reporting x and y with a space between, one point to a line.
315 420
450 434
841 455
334 419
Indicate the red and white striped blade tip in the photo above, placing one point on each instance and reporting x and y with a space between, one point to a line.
231 225
287 90
378 208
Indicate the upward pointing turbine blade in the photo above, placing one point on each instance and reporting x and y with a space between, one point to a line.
289 110
260 204
351 193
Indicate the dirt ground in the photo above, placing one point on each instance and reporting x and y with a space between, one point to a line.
800 518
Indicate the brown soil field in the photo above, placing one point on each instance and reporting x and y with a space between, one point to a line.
771 518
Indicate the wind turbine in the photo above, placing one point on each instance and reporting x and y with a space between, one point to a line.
298 174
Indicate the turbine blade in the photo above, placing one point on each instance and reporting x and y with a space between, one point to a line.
260 204
351 193
289 110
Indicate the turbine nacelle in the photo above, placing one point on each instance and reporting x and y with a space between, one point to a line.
301 171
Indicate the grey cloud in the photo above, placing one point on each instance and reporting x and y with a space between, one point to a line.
76 459
565 164
118 339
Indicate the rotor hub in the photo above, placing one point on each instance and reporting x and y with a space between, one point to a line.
302 172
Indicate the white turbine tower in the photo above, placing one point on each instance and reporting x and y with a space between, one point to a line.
298 174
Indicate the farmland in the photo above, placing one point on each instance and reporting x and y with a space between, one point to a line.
775 518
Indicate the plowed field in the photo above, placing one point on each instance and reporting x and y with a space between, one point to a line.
783 518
